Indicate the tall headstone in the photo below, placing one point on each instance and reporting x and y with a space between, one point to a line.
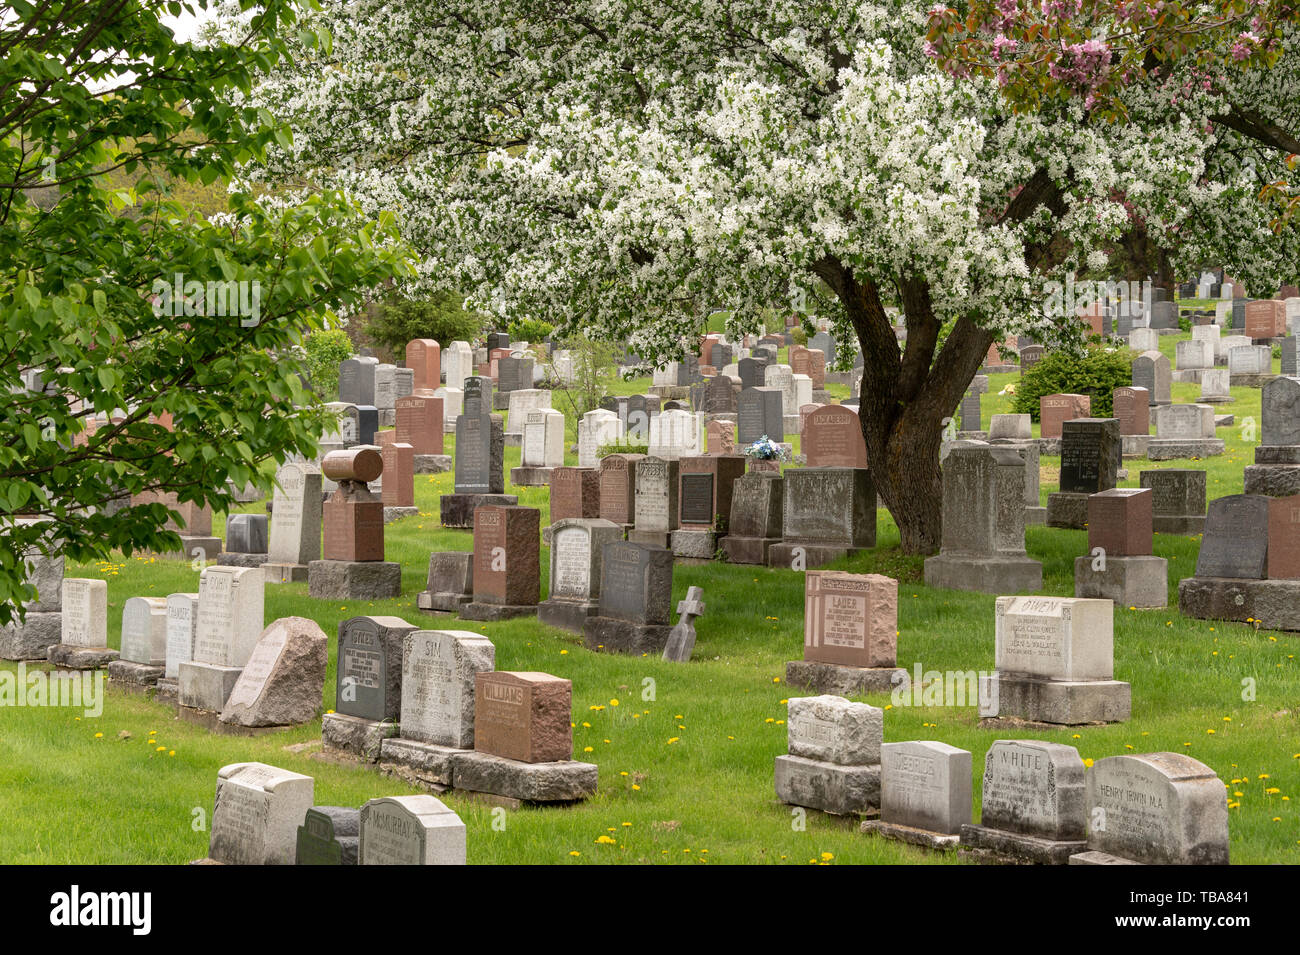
257 813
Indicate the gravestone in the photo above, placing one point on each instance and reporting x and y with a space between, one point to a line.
1007 427
1119 565
828 513
719 396
1055 410
832 437
397 492
655 507
596 429
256 815
449 583
1033 801
1178 500
759 415
439 668
1030 356
476 400
850 635
704 494
1236 538
368 685
329 835
636 582
507 567
143 656
577 545
246 534
618 488
357 380
1215 385
352 565
756 520
523 716
1184 431
1055 663
1154 809
458 364
542 448
925 793
230 623
410 830
676 434
1091 451
575 492
833 763
182 628
1151 371
479 470
983 543
296 512
1284 538
281 683
419 423
720 437
681 642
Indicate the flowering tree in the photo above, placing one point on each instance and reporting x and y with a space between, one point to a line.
178 337
618 167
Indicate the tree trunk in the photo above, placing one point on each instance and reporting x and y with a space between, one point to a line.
907 397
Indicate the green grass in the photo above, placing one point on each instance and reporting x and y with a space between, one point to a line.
69 797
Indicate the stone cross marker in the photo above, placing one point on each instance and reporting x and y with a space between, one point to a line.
682 640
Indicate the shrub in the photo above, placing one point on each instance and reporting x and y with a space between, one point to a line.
529 330
1096 371
621 447
325 349
441 318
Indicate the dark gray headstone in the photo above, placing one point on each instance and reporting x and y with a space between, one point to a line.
1164 314
477 399
480 455
719 396
1239 313
825 343
697 498
1236 538
1290 367
357 381
246 533
1090 455
514 374
367 423
636 583
498 340
758 413
368 682
329 835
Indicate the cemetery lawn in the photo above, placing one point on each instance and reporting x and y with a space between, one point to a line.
685 751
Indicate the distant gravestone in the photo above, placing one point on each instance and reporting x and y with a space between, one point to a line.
246 534
329 835
681 642
480 455
182 625
832 437
144 630
575 492
295 515
1090 455
759 413
1151 371
1236 538
850 619
636 583
281 683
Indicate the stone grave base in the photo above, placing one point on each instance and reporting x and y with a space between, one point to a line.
839 680
999 369
441 602
79 658
1097 857
1249 381
972 435
230 559
839 378
911 835
211 722
1170 449
1057 701
1048 447
457 510
134 674
1067 509
987 575
432 463
445 767
167 690
284 573
620 636
393 513
813 555
1277 454
354 735
670 392
31 639
1273 604
566 781
1185 525
653 538
1215 399
694 544
530 476
1135 445
1141 582
1020 847
1227 421
476 610
210 547
748 550
1187 375
1035 515
567 614
354 579
205 686
830 787
1272 480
